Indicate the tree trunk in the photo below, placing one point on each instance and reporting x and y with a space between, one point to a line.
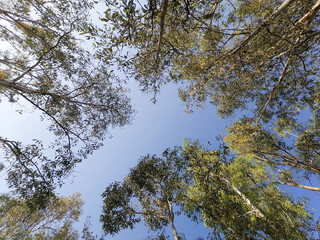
171 219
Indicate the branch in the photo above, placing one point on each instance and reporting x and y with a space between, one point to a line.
265 23
246 200
66 130
163 15
149 214
274 90
13 146
295 184
20 88
309 16
40 58
293 162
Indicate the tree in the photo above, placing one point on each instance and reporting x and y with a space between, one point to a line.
238 200
18 221
151 190
44 65
261 56
230 51
231 196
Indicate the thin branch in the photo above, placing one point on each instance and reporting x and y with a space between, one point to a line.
274 90
40 58
149 214
20 88
265 23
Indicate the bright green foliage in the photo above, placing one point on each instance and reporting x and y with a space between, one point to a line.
238 201
43 67
153 190
18 221
301 152
233 197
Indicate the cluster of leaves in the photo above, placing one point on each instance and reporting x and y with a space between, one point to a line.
150 190
43 66
19 221
232 196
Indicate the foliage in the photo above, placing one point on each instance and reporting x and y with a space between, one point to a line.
44 67
151 190
237 200
18 221
233 52
231 196
259 56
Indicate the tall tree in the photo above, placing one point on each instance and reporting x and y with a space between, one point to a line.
152 190
43 64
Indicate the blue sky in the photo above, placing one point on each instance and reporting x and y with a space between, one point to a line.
155 127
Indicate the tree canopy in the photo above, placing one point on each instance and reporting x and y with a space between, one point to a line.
256 61
232 196
152 191
232 52
44 67
18 221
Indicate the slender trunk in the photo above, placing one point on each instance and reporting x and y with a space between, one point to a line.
171 219
174 230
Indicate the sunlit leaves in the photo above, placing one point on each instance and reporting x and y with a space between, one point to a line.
19 221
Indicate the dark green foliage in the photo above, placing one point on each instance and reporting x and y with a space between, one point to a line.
151 190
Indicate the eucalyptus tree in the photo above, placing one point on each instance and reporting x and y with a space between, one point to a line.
18 221
239 198
152 190
44 67
260 56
